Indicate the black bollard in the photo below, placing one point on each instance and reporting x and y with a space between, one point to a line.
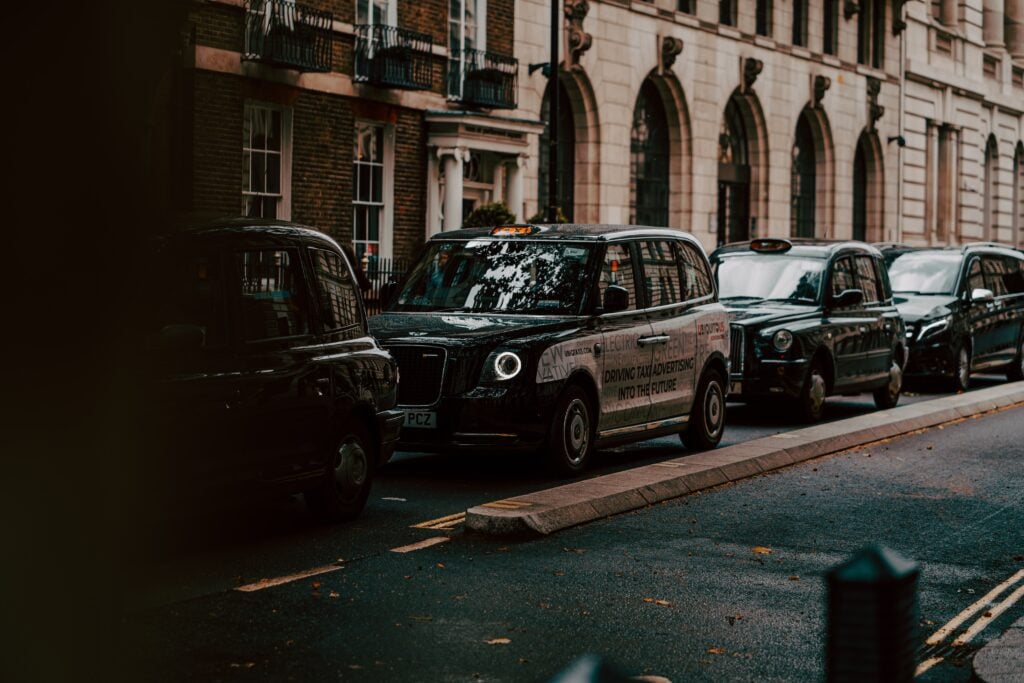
872 618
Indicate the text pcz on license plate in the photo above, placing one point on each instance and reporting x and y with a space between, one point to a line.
424 419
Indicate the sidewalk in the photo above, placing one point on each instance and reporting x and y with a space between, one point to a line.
1002 660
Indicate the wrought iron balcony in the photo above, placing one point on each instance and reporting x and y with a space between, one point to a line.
393 57
286 34
482 79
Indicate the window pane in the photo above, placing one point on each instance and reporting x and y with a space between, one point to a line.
246 171
360 222
273 162
377 180
259 128
273 301
337 295
187 289
618 270
842 276
373 224
258 181
364 183
661 274
696 278
868 279
274 132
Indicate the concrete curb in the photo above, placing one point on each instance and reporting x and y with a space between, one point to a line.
551 510
1002 660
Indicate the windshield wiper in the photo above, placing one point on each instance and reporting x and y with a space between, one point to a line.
736 298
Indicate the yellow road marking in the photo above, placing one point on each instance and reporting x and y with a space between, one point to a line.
446 522
507 504
986 618
955 622
270 583
925 665
425 543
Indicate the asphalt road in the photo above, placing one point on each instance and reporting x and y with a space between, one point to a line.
674 590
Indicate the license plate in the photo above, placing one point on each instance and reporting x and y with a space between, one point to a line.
420 419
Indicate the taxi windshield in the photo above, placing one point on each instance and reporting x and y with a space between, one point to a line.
497 276
923 272
769 277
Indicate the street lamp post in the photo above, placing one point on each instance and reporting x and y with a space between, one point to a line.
553 117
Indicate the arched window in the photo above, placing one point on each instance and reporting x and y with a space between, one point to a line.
867 189
649 159
989 206
801 221
565 196
733 177
1018 195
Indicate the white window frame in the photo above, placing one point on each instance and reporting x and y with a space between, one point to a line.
479 40
391 10
284 198
385 237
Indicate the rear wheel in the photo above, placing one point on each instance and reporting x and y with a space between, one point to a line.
888 396
1015 371
811 403
571 435
342 493
707 419
961 378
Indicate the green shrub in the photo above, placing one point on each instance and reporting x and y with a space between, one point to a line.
489 216
542 216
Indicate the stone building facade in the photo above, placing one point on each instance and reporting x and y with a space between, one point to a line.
743 118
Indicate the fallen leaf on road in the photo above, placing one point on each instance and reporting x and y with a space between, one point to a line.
578 551
333 594
316 585
929 446
440 565
423 617
716 650
498 641
559 573
1018 558
987 615
761 550
794 578
663 603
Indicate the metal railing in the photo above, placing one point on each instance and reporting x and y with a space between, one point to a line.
482 79
393 57
380 271
286 34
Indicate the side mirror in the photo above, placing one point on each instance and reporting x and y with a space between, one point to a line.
982 295
616 299
179 338
847 298
387 293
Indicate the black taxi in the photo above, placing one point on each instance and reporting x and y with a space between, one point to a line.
964 310
558 338
260 375
810 318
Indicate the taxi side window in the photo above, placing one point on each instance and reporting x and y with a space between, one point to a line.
868 279
1014 276
336 290
661 273
617 269
995 272
975 278
273 294
696 278
843 276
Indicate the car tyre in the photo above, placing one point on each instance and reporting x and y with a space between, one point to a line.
571 435
342 493
888 395
811 403
707 419
961 378
1015 371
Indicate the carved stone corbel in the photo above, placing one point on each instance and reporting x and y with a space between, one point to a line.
898 24
850 8
875 110
821 86
670 49
751 68
578 41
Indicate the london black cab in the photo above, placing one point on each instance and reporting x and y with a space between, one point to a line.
264 376
558 338
964 309
809 319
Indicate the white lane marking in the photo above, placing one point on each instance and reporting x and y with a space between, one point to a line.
425 543
955 622
986 618
400 500
270 583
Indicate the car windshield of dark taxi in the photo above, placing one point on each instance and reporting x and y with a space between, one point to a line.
925 273
752 278
498 276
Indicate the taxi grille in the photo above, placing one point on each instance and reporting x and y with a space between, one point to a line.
421 371
737 346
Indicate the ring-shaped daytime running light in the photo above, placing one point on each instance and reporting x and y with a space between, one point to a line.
507 365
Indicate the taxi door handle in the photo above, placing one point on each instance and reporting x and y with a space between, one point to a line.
658 339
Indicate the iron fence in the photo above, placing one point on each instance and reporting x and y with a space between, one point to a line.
283 33
483 78
393 57
380 271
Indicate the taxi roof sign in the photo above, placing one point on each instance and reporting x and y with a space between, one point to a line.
770 245
514 230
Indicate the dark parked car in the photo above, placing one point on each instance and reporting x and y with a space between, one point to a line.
964 309
561 338
810 319
264 377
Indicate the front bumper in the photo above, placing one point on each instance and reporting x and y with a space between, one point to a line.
931 359
389 426
502 418
772 378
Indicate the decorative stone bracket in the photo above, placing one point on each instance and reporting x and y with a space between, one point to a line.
578 40
670 49
821 86
850 8
875 110
751 68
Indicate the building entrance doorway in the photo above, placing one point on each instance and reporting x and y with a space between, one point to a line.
734 220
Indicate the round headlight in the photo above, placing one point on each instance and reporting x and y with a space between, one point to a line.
507 365
782 340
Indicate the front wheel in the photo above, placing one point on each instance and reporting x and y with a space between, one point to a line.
571 435
342 493
961 378
707 419
811 403
888 396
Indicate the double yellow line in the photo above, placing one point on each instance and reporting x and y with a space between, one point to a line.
994 610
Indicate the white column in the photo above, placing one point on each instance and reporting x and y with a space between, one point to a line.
515 186
1015 28
433 195
992 23
452 160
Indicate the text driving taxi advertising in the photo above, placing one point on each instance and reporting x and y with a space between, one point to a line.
558 339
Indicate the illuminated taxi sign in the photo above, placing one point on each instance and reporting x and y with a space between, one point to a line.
514 230
771 246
